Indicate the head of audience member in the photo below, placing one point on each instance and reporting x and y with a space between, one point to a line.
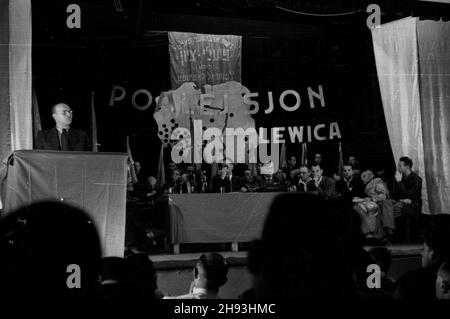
443 281
140 277
210 272
303 238
317 171
175 175
405 165
172 166
436 245
112 278
347 172
62 114
353 161
292 162
49 250
304 173
367 176
318 159
131 278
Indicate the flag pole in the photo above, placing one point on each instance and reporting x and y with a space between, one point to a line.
93 123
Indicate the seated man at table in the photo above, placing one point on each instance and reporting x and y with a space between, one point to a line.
408 194
305 178
280 178
291 167
210 273
248 181
226 181
349 187
320 185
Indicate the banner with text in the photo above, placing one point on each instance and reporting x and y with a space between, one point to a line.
204 58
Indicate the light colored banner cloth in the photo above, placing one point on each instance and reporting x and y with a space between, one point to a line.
395 48
433 39
15 77
16 130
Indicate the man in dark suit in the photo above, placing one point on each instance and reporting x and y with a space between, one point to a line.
349 187
408 188
62 137
227 181
320 185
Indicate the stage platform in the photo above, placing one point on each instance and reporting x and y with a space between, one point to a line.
175 270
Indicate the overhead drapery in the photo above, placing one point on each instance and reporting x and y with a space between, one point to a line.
413 68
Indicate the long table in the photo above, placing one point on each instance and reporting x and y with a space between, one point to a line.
214 218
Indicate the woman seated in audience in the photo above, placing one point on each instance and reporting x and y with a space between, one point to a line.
368 208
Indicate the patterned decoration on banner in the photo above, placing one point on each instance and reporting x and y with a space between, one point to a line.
204 58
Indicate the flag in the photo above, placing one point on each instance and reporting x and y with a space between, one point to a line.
161 176
304 154
283 162
131 163
93 124
214 170
36 115
341 160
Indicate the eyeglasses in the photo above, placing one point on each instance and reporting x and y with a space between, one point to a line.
65 112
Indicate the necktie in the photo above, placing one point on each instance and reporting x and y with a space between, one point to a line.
64 140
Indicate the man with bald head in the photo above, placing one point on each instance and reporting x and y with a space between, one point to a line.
443 281
62 137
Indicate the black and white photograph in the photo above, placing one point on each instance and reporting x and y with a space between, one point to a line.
253 153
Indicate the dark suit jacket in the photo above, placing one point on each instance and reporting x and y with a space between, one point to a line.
409 187
234 186
356 189
326 188
49 140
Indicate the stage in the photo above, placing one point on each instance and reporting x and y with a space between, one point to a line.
175 270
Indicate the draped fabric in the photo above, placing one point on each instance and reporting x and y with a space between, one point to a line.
16 130
413 67
94 182
434 64
395 47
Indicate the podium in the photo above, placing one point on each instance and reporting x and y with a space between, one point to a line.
94 182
